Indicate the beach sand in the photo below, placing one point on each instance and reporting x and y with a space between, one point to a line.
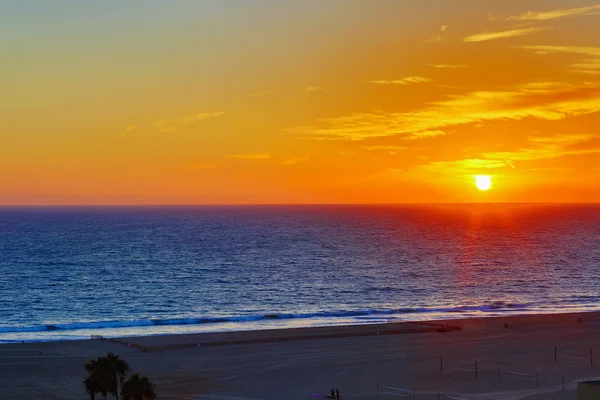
359 360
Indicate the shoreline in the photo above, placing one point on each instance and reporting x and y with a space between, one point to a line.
214 339
218 338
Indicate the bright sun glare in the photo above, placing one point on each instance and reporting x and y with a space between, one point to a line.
483 182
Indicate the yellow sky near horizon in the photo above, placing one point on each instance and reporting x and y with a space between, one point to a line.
344 101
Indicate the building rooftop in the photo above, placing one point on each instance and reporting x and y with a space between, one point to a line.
595 383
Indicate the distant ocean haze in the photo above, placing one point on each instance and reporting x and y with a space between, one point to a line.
67 273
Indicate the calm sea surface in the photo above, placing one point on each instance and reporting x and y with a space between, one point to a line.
67 273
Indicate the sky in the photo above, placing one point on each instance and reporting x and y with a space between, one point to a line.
312 101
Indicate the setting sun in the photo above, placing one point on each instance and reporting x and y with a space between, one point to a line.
483 182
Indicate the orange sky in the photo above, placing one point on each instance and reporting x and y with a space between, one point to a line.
311 101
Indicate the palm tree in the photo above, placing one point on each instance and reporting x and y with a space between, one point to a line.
104 374
98 378
93 386
120 369
138 388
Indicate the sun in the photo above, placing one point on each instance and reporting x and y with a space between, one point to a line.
483 182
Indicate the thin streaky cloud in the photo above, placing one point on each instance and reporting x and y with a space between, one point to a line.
449 66
587 71
482 37
564 139
549 101
542 148
292 161
466 167
439 36
449 86
403 81
555 14
543 49
392 148
586 66
253 157
509 163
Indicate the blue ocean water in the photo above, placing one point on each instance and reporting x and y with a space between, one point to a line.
67 273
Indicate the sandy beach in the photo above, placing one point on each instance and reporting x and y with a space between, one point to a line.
515 359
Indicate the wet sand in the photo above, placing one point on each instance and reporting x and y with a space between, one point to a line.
514 355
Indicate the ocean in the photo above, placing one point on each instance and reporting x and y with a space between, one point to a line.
71 272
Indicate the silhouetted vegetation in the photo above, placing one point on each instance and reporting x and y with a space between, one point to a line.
105 374
138 388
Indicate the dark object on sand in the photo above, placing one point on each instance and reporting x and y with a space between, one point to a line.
337 393
506 325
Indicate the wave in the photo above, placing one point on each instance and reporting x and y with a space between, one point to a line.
493 307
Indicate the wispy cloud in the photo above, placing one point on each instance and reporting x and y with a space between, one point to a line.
554 14
449 66
543 49
292 160
314 88
466 166
587 66
439 36
399 148
546 100
253 157
453 168
392 150
173 125
547 147
268 158
403 81
490 18
482 37
449 86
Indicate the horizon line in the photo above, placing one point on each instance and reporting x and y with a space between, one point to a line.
95 205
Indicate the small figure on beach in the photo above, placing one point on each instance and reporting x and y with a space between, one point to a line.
332 394
337 393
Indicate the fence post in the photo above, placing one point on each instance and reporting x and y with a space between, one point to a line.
554 353
591 358
476 371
